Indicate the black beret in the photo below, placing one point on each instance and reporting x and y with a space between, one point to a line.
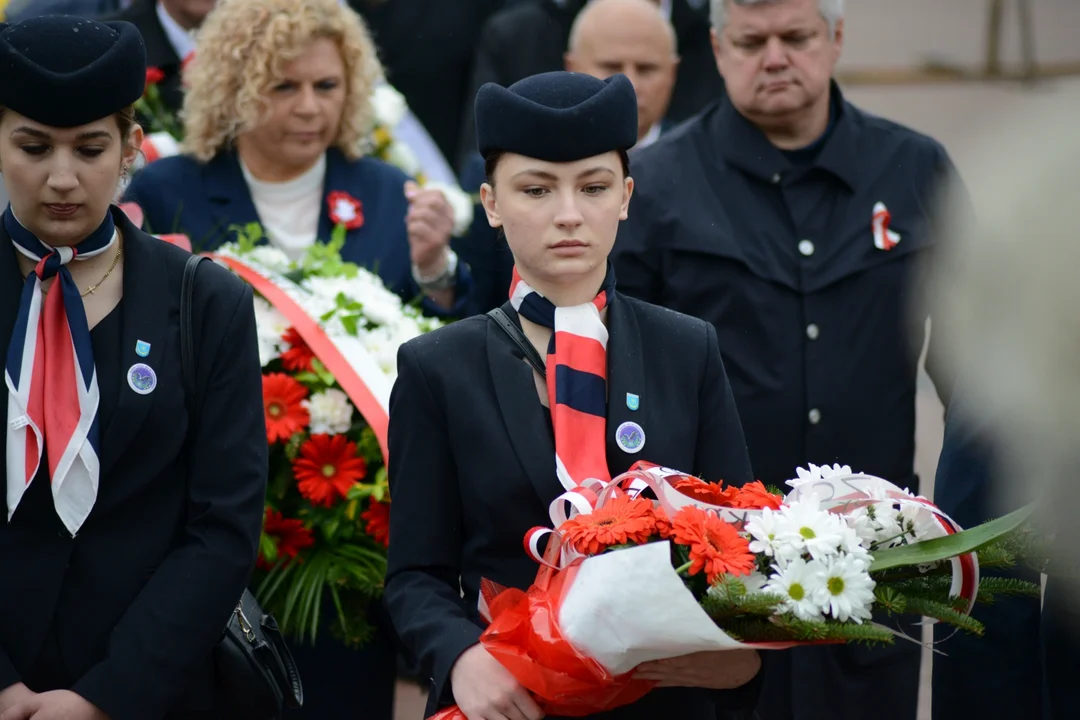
65 71
558 116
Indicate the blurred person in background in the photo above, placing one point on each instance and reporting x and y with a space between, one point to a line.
276 118
1006 286
531 37
632 37
168 28
792 221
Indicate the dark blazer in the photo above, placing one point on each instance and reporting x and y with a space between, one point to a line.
159 51
204 201
473 467
131 607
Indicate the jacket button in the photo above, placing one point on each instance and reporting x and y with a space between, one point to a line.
812 331
814 416
806 247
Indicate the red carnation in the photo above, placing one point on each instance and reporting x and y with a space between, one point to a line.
154 76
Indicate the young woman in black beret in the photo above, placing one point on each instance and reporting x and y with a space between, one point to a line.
133 509
481 443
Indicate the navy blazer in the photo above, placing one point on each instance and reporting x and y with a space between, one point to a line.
126 613
205 201
474 468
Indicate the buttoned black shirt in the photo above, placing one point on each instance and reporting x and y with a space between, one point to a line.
816 323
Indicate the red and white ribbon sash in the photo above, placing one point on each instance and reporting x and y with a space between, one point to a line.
344 356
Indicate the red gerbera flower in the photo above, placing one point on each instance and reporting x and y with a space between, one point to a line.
299 356
377 521
712 493
622 520
285 415
756 497
290 535
327 468
715 546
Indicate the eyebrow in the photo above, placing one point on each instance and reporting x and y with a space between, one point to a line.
34 132
548 176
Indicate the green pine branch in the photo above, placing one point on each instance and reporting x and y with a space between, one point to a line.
787 628
722 603
944 612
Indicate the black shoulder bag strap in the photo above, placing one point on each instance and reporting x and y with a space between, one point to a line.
187 350
520 340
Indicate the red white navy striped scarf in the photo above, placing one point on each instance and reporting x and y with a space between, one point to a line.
51 379
576 378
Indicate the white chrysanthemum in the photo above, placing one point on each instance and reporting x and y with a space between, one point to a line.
270 325
807 528
402 156
847 591
270 257
799 582
460 203
764 540
331 412
389 106
818 473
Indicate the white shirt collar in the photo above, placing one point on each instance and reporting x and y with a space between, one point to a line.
650 137
183 41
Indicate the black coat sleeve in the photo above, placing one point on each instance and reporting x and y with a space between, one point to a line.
171 627
8 674
721 447
423 590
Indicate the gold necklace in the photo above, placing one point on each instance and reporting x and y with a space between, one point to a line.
116 261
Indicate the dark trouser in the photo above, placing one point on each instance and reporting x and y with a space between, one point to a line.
968 668
844 682
1061 649
345 684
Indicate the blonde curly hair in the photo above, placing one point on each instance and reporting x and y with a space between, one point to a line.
242 48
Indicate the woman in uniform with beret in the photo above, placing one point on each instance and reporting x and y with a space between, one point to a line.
478 453
133 510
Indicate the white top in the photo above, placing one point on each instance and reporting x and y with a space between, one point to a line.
289 211
183 41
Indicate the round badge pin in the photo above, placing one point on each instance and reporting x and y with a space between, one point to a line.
142 378
630 437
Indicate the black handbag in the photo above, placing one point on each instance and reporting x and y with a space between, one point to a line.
255 676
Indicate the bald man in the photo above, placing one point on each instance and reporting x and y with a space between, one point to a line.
633 37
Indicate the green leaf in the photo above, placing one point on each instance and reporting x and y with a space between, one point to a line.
966 541
268 548
351 323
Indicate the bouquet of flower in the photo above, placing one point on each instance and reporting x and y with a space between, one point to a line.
328 337
658 564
